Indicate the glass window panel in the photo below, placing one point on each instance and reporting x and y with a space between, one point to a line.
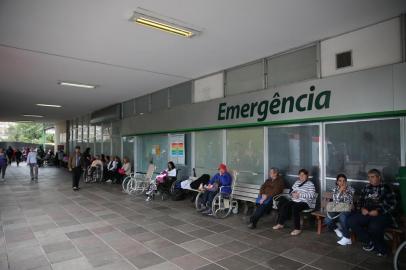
116 139
98 137
245 79
293 148
354 148
208 151
181 94
85 133
128 149
292 67
152 148
106 129
245 153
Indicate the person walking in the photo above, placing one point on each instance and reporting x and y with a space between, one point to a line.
9 153
19 155
75 165
32 162
3 163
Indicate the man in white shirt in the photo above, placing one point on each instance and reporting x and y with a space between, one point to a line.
32 162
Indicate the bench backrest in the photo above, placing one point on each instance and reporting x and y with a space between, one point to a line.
246 192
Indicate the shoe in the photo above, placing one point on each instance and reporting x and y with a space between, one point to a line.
277 227
379 254
338 233
368 247
75 188
148 199
252 226
344 241
108 181
296 232
207 212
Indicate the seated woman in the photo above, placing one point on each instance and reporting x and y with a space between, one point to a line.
125 170
342 193
93 166
221 179
162 180
377 203
272 186
302 194
117 176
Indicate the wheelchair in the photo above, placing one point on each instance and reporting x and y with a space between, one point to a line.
93 174
223 203
138 183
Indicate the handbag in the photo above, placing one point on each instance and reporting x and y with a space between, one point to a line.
337 209
121 171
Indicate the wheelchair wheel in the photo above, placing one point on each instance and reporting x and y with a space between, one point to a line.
399 260
199 201
125 182
221 206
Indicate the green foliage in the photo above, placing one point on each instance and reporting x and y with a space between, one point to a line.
29 133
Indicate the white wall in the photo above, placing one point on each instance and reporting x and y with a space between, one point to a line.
208 88
372 46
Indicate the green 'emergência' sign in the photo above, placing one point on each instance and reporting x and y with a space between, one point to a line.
261 109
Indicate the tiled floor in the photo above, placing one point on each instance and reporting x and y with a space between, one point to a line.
46 225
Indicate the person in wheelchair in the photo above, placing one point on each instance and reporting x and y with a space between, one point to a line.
96 163
221 179
274 185
163 181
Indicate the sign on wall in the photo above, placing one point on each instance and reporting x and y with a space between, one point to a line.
177 148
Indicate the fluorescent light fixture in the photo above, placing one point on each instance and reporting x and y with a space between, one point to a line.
81 85
48 105
146 18
23 121
33 115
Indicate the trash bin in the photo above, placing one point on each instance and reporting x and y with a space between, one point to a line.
402 183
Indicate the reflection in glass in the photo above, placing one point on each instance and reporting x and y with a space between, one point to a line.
354 148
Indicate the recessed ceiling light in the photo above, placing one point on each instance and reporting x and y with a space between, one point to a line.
48 105
169 25
33 115
81 85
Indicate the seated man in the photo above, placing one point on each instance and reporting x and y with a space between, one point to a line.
221 179
377 203
272 186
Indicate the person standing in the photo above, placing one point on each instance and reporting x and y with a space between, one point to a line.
9 153
75 165
32 162
3 163
19 155
59 158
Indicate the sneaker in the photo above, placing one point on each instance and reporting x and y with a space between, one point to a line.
338 233
108 181
277 227
368 247
344 241
296 232
379 254
75 188
207 212
148 199
252 226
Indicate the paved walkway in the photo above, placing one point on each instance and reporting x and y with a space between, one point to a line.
49 226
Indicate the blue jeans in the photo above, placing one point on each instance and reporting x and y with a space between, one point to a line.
342 219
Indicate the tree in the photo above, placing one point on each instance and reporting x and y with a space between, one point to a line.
26 132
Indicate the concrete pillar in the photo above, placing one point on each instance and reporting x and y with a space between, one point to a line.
60 135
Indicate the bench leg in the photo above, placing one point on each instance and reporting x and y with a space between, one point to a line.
319 225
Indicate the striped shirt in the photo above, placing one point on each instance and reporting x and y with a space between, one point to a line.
306 192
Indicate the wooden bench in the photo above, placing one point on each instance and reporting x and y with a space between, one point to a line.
395 235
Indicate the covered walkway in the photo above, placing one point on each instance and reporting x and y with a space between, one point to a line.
49 226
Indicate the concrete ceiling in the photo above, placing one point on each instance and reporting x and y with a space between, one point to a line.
92 41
